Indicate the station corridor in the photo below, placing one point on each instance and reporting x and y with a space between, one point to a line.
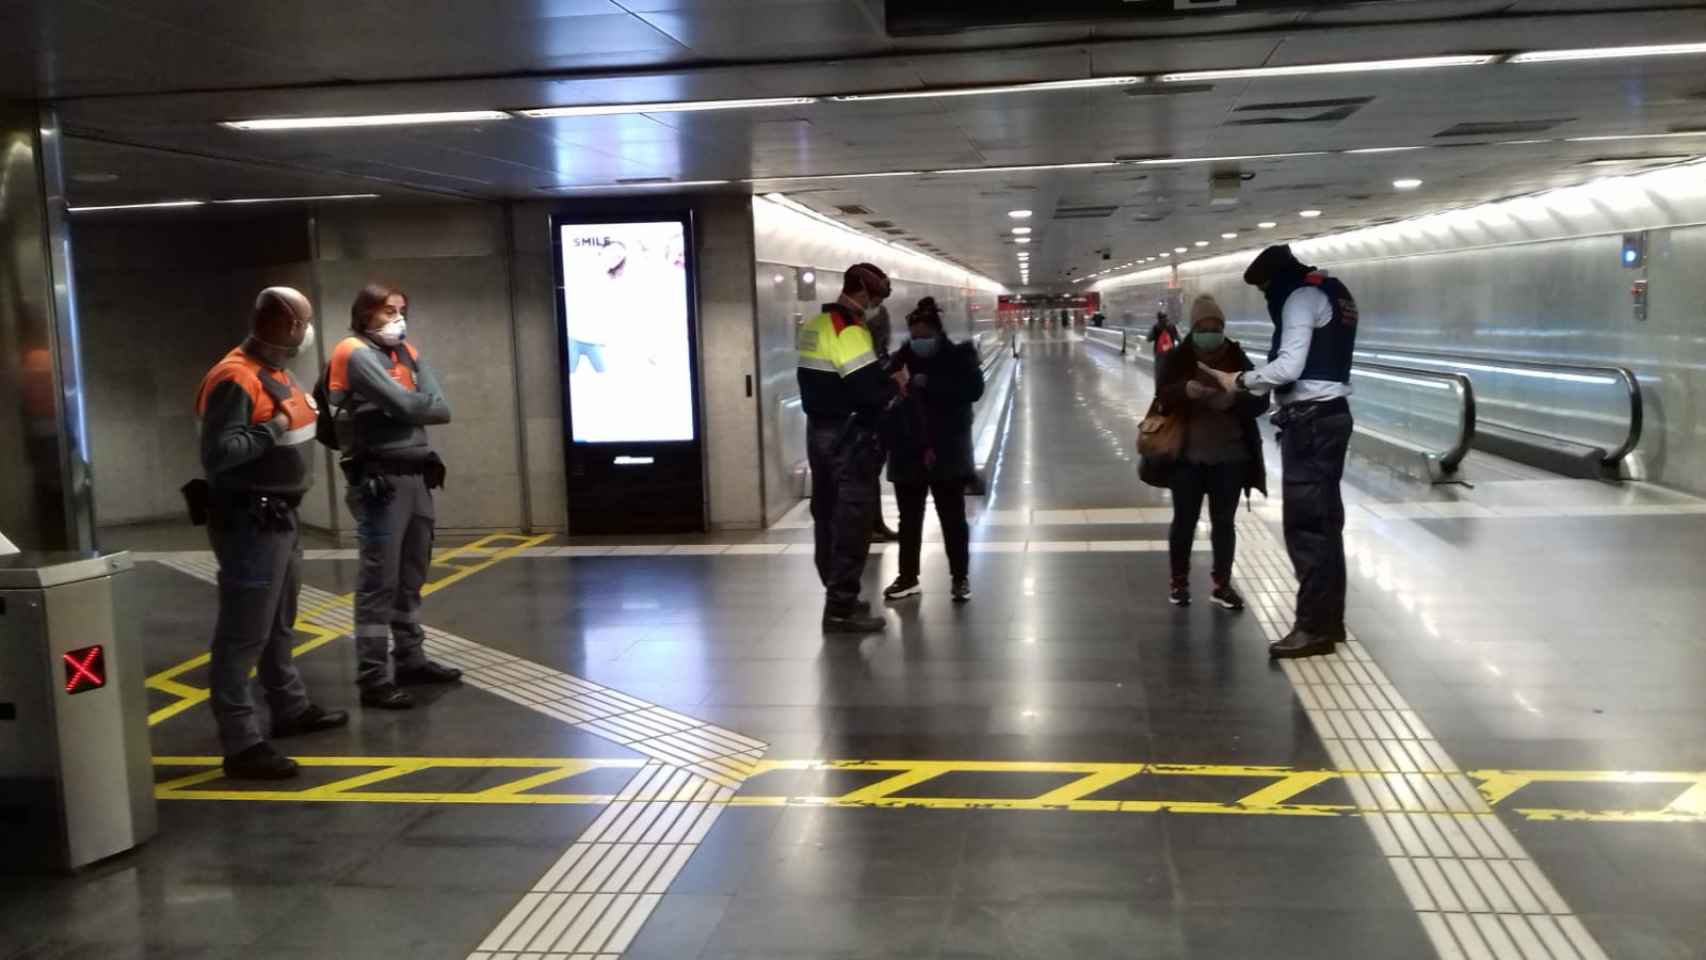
656 754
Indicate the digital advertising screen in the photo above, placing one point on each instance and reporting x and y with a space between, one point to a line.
625 306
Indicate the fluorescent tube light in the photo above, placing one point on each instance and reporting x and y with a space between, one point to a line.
1313 69
1229 236
1027 168
1609 53
1384 149
816 177
1038 87
371 120
1177 161
1021 231
679 106
1636 136
1309 214
1019 214
158 205
1202 243
637 185
1267 225
327 196
1406 183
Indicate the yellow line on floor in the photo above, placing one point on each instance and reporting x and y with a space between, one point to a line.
485 548
1277 798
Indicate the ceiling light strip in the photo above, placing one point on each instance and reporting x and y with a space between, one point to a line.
1037 87
675 106
306 199
157 205
369 120
1317 69
1610 53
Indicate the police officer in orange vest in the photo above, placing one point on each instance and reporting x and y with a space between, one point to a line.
255 419
383 397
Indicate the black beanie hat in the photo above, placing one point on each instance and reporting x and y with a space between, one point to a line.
1276 261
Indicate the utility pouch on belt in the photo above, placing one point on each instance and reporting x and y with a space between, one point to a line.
195 500
434 472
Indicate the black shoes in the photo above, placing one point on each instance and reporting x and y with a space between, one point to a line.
429 672
882 534
386 696
1301 643
1179 592
260 762
312 720
852 622
962 590
1225 597
902 587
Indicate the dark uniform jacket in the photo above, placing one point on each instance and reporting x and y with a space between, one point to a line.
933 423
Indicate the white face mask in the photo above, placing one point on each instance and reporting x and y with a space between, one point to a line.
393 332
307 341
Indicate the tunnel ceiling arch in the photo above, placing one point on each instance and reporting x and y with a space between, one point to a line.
1138 177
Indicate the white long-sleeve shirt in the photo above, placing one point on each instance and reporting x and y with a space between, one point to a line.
1305 311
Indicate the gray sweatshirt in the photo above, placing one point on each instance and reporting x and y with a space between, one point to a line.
379 418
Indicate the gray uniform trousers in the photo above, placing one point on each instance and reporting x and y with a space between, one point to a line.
260 574
395 537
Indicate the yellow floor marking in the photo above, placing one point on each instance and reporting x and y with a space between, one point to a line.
485 548
1275 799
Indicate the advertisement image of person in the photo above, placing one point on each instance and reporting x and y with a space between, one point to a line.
593 332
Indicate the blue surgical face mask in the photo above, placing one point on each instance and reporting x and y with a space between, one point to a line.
1208 341
925 346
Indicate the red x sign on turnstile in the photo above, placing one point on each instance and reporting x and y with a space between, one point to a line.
85 669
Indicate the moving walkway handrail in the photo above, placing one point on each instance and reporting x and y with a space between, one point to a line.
1461 385
1631 386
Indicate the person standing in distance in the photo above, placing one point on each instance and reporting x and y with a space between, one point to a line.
254 420
845 392
383 396
1309 373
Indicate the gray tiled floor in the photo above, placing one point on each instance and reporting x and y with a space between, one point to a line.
1524 642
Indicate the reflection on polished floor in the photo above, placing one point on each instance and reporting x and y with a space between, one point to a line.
657 754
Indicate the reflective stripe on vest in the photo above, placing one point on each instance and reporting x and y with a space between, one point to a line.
827 344
270 392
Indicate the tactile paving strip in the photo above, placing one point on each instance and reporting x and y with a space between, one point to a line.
601 891
1476 891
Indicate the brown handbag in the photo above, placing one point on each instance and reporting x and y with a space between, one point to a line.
1160 436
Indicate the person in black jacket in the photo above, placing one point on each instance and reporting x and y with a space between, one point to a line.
1222 454
930 446
1163 335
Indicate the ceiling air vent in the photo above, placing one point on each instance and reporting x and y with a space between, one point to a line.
1499 128
880 224
895 232
1166 89
1083 213
1303 111
852 210
1149 218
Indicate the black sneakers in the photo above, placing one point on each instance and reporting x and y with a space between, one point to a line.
1225 597
260 762
962 590
1179 592
902 587
386 696
312 720
429 672
852 622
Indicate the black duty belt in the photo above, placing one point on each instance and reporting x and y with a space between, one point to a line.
396 468
244 499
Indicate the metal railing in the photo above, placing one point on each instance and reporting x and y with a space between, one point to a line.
1597 407
1111 337
1428 411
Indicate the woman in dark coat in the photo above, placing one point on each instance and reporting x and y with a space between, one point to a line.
1222 454
930 446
